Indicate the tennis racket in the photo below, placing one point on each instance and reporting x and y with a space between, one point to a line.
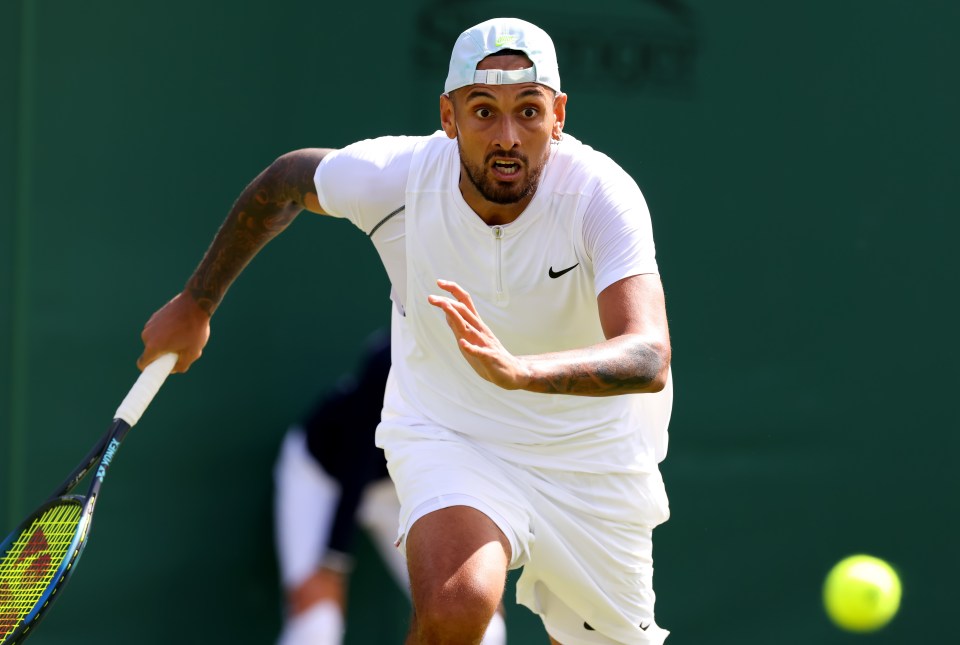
39 556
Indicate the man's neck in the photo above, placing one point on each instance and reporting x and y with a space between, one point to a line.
491 213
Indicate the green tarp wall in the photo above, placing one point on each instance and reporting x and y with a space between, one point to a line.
800 161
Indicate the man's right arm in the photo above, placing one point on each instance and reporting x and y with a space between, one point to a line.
264 209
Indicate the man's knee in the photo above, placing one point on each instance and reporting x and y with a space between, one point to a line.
461 614
458 567
457 611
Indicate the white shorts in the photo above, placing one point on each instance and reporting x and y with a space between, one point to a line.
583 540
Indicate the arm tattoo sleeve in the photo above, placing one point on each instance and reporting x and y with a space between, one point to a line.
263 210
629 365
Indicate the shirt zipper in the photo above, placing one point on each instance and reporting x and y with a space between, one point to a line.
497 237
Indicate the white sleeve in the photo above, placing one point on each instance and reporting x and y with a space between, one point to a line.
617 232
365 181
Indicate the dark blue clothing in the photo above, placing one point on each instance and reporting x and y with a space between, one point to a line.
340 435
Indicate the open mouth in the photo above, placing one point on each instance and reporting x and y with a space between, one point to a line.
506 167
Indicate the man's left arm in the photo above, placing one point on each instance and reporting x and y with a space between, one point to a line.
635 357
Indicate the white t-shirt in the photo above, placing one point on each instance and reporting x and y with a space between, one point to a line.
534 281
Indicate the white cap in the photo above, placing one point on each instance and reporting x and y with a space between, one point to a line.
491 36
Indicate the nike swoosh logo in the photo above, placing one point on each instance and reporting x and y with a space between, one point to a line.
587 626
557 274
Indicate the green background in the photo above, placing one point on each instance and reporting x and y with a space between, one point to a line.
800 161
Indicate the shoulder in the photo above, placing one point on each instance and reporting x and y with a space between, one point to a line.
580 165
366 179
383 159
371 155
613 209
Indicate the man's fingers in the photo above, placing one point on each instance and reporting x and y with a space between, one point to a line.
475 350
180 326
184 363
184 359
457 292
459 317
463 306
450 308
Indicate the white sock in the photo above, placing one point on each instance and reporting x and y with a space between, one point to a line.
305 501
322 624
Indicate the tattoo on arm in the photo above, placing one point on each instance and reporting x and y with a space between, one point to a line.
630 365
263 210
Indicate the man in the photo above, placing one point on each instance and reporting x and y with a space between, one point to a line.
329 477
531 438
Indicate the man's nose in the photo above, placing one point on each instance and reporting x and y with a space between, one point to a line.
507 134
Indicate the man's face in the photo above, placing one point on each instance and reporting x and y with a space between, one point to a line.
503 133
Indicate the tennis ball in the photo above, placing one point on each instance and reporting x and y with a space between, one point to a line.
861 593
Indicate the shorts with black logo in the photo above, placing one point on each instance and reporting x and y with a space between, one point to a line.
584 540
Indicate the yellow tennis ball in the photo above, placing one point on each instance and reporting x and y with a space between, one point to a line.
861 593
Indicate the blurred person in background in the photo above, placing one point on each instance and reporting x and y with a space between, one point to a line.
329 480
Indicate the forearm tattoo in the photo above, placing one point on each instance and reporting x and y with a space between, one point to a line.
264 209
631 366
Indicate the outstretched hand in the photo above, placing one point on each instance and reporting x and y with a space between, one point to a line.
180 326
479 346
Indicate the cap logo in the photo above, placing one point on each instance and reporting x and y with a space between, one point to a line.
506 40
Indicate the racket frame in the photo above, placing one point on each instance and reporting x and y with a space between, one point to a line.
101 456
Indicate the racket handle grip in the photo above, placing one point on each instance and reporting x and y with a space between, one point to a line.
146 387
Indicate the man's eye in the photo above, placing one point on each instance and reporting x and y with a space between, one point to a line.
483 113
529 113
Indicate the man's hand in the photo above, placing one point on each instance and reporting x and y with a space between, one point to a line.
180 326
634 358
486 355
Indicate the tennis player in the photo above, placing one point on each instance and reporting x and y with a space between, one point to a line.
526 410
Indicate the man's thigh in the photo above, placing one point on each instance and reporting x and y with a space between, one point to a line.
457 545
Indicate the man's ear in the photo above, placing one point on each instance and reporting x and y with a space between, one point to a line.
560 113
448 117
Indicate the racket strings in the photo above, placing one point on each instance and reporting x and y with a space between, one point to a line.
32 560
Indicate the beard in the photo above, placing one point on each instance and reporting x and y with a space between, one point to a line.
502 192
